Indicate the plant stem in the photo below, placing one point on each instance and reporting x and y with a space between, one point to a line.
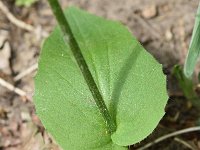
69 38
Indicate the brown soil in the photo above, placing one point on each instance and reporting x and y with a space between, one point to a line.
164 27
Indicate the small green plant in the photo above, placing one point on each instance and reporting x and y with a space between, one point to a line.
187 86
24 2
184 76
97 88
185 83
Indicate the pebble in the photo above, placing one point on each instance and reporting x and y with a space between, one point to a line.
168 35
149 12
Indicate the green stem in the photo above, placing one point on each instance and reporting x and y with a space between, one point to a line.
69 38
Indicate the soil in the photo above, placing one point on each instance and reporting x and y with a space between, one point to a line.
164 28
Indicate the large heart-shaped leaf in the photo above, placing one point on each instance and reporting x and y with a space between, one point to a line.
129 78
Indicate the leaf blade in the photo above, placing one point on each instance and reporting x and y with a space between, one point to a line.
194 49
110 52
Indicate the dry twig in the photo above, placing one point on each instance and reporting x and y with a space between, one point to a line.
148 26
12 88
184 143
26 72
187 130
13 19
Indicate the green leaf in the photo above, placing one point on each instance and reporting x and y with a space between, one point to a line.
130 80
24 2
194 49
